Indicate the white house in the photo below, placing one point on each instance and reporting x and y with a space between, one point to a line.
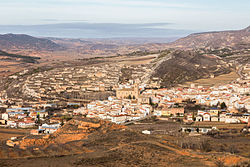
48 129
5 116
206 117
214 118
232 120
26 124
222 118
12 124
119 119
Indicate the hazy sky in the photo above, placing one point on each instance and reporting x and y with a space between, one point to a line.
197 15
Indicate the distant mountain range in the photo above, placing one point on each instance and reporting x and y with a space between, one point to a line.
79 48
26 42
237 39
97 30
234 39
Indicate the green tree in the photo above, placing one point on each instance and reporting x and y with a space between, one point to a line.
26 113
38 119
62 123
150 101
223 105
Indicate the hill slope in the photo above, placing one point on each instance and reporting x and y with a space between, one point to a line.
22 41
239 39
12 63
181 66
93 142
7 57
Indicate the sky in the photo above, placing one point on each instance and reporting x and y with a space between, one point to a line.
152 15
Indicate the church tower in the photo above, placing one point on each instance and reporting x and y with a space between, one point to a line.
136 90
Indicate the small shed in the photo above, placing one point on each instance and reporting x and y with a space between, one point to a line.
147 132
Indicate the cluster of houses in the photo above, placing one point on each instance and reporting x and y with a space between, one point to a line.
209 115
31 118
235 102
116 110
218 115
22 117
233 95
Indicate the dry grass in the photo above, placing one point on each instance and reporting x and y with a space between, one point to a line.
219 80
8 133
7 63
221 125
137 60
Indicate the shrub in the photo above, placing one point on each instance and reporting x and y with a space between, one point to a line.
233 149
205 146
219 163
242 164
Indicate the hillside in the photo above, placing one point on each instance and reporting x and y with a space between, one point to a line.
181 66
93 142
26 42
239 39
12 63
4 56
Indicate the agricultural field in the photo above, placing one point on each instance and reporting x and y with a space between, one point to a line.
219 80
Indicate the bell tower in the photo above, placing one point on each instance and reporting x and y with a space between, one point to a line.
136 90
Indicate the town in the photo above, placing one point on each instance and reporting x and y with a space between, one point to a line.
118 83
122 100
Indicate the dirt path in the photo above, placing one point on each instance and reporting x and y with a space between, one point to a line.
11 132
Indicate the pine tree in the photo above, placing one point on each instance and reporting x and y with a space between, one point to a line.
223 105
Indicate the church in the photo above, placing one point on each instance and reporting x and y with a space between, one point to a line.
128 93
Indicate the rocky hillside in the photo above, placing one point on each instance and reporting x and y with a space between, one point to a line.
181 66
92 142
239 39
26 42
203 55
